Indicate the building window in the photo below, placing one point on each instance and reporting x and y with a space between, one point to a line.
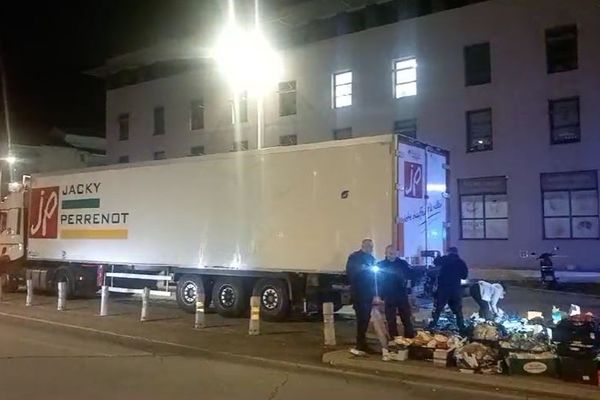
561 48
570 205
160 155
287 98
124 126
197 114
159 120
123 159
342 89
288 140
197 151
343 133
564 121
406 127
405 77
240 145
479 130
478 69
240 114
483 208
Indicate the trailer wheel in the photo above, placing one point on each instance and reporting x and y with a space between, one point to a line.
188 288
230 297
64 274
274 299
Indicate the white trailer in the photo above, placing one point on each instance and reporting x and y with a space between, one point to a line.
278 222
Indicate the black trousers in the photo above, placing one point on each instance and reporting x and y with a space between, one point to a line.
363 316
400 307
485 311
452 298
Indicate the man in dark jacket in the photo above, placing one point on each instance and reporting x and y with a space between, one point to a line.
452 270
362 288
394 273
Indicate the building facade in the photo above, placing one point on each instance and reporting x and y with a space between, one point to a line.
509 87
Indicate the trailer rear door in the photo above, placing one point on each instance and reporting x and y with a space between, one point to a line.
422 199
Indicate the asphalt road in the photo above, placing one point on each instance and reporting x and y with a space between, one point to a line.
51 364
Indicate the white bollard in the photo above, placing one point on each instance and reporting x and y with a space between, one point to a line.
29 298
328 324
145 301
200 321
254 328
62 296
104 301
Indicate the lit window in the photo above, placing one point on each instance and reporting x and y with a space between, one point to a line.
342 89
405 77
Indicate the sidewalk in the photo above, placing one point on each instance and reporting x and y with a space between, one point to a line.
294 344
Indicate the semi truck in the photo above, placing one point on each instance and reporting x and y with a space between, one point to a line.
278 223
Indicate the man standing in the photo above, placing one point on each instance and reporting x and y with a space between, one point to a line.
487 295
452 270
395 272
362 287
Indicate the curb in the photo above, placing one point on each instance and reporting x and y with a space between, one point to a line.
545 389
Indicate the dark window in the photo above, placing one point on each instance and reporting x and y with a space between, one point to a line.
197 114
123 159
197 151
564 121
241 145
343 133
477 64
160 155
570 205
159 121
287 98
124 126
288 140
479 130
483 208
561 48
406 127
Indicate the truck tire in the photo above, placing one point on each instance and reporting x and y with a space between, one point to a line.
188 287
274 299
230 297
64 274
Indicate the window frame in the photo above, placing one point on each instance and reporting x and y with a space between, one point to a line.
197 104
200 146
470 149
336 86
406 121
483 194
337 130
283 92
123 135
551 104
162 152
161 131
570 216
474 82
395 71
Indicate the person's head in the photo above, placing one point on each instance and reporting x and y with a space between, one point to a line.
452 251
390 253
367 246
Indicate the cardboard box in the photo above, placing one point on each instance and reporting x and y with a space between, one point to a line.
443 358
533 366
420 353
576 369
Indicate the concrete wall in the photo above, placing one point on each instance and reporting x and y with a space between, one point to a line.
518 96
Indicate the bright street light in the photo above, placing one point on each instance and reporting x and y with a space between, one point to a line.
11 160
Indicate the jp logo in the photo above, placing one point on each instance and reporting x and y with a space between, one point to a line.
413 180
44 213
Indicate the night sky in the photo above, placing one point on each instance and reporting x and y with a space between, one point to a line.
46 45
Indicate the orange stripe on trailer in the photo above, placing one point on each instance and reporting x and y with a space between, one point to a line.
94 233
